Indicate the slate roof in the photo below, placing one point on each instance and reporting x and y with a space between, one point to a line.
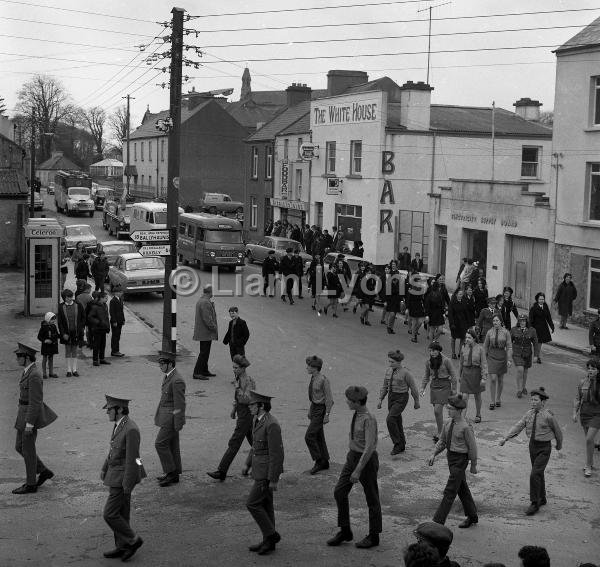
283 120
586 38
13 183
301 126
474 120
57 162
108 162
382 84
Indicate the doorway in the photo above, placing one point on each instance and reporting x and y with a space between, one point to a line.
474 245
526 266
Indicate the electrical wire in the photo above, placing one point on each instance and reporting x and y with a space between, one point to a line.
75 27
67 42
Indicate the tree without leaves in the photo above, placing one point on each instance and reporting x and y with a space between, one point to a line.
118 126
95 119
547 118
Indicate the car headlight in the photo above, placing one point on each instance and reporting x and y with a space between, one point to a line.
121 224
240 255
212 254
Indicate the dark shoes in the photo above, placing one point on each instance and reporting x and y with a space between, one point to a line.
391 331
117 354
266 546
200 377
209 374
217 475
104 362
468 522
53 375
372 540
319 466
69 374
76 374
44 476
397 450
25 489
339 538
539 360
533 509
130 550
113 553
95 363
171 478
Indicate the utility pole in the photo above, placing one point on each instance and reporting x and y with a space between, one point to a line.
493 140
429 34
32 167
170 298
128 130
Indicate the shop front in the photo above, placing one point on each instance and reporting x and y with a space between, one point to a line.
294 212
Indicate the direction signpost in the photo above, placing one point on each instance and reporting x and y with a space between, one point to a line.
150 236
155 250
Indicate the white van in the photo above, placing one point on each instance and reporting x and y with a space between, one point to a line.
149 216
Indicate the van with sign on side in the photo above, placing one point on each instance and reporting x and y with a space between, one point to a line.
210 240
148 216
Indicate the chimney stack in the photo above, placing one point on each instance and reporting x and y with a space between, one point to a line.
415 105
339 81
528 109
297 93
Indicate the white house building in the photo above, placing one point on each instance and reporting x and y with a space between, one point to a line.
576 147
107 168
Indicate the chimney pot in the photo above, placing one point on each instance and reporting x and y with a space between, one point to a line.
339 81
528 109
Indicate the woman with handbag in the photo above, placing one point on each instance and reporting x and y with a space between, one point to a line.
524 342
586 407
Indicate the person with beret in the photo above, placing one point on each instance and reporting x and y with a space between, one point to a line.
486 317
396 386
270 267
473 370
267 465
586 407
117 319
497 346
541 426
121 471
170 417
244 383
458 439
237 334
440 538
524 343
362 465
541 320
71 324
33 414
206 330
288 271
321 402
440 372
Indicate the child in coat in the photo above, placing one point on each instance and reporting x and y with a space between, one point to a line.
48 336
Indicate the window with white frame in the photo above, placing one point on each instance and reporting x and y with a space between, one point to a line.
300 142
254 173
253 212
269 163
596 95
134 152
594 284
142 151
594 184
150 180
355 157
330 157
142 180
162 150
149 150
530 161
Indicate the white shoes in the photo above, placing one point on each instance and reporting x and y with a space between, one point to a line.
587 471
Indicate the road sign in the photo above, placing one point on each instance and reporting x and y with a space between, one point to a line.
150 235
155 250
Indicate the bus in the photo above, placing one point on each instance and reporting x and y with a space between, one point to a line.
210 240
149 216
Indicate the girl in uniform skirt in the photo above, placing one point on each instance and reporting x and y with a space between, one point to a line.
498 350
586 407
524 342
473 370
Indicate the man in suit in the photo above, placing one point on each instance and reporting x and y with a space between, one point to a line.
270 267
299 270
117 319
267 466
288 270
205 331
417 263
33 414
404 259
121 471
100 269
237 334
170 417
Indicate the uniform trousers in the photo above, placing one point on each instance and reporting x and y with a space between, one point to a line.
396 405
202 362
260 505
368 479
236 349
116 515
315 434
539 453
115 338
167 447
456 486
243 430
25 446
99 345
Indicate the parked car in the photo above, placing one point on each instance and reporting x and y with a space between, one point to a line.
138 274
258 252
38 202
102 194
353 261
113 249
80 233
115 218
50 189
220 202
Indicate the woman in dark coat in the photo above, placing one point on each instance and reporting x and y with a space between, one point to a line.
416 308
565 295
334 289
469 299
435 306
394 300
480 293
459 319
507 307
541 320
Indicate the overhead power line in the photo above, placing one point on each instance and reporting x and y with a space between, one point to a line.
68 42
61 25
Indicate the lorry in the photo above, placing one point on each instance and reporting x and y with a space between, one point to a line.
220 203
73 193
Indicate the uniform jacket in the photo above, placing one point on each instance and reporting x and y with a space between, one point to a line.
75 333
205 324
417 265
540 319
123 467
270 265
267 449
98 317
565 295
445 372
241 335
506 309
115 308
48 331
31 390
546 427
478 358
287 265
171 407
484 320
524 341
100 268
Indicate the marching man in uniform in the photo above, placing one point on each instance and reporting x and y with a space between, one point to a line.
170 417
121 471
33 414
267 466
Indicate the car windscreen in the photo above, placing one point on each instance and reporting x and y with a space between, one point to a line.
144 264
79 191
223 236
160 217
79 231
117 249
289 244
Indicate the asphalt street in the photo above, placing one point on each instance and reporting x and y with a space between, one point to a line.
201 522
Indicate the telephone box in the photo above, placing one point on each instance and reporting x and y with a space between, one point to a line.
42 265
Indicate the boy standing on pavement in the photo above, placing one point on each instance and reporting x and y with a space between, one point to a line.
321 401
117 319
98 320
362 464
237 334
541 426
100 269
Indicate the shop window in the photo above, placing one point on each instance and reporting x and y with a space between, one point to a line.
135 152
355 157
596 100
253 212
594 284
254 173
286 148
530 161
149 151
330 157
269 163
162 150
594 181
142 152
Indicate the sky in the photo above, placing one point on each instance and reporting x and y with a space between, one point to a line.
96 55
